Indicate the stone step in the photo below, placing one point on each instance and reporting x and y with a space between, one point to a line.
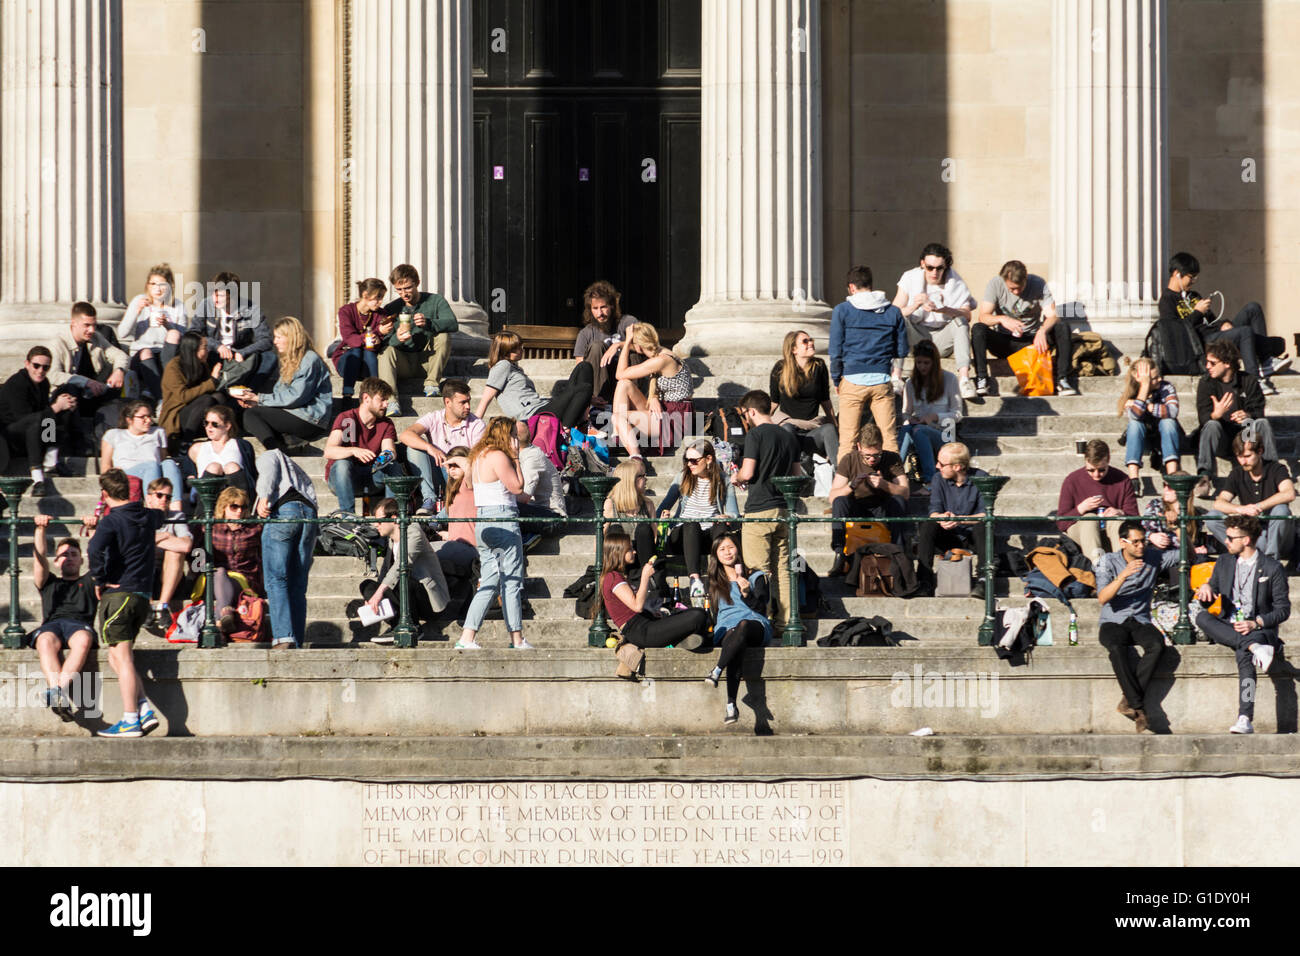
359 691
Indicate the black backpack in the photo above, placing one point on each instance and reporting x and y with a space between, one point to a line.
347 535
860 632
727 424
1174 347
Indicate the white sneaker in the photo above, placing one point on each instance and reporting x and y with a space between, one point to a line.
1263 656
967 387
1242 726
1065 388
1274 365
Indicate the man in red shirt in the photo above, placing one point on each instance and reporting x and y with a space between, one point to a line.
356 439
1096 488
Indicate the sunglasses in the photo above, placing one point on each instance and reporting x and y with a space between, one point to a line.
164 495
43 366
216 424
693 461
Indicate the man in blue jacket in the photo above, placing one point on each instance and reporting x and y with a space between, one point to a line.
868 344
1255 602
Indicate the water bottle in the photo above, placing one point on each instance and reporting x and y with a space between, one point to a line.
1074 630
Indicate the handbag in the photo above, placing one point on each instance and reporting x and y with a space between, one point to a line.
1033 370
953 578
875 576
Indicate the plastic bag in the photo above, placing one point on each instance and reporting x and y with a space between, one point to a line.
1033 370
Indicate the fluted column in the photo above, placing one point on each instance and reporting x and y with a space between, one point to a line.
412 159
760 215
1110 169
61 236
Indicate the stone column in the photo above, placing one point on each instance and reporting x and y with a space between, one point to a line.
412 151
1110 169
61 237
760 143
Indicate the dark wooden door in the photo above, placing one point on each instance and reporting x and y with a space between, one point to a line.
587 156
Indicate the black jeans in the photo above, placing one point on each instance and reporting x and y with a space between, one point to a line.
192 415
687 540
1249 333
850 506
571 398
27 434
421 609
931 538
985 339
150 370
1117 639
1222 632
645 631
735 642
270 425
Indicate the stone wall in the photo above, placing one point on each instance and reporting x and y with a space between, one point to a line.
937 127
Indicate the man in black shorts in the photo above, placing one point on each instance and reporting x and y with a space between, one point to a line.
122 562
68 617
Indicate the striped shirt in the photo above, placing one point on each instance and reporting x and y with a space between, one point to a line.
699 503
1162 403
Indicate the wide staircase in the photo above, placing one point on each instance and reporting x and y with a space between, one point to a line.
343 685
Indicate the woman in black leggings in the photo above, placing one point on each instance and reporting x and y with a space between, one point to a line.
738 627
625 607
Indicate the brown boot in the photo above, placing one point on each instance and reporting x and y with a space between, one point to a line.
1124 708
1140 721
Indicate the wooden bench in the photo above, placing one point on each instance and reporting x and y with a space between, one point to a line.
556 341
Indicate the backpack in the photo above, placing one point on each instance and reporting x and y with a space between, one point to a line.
346 535
1174 347
726 424
889 572
253 622
544 430
584 591
860 632
187 624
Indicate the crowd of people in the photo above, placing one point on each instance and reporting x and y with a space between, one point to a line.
169 398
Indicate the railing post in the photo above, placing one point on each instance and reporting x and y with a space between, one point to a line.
400 487
790 486
989 486
1183 485
599 487
209 489
12 489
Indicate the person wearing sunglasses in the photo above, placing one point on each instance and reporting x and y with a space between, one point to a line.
222 455
937 305
138 446
26 409
1255 603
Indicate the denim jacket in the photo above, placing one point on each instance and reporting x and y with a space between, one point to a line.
674 498
309 394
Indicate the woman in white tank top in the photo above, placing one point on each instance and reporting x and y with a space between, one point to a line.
220 454
493 473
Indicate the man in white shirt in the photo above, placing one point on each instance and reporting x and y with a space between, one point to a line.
937 305
436 433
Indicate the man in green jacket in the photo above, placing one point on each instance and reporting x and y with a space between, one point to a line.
417 329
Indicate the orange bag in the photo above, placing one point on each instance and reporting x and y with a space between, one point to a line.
1033 371
858 533
1199 574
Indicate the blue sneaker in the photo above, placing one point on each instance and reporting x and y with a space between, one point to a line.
148 716
431 391
123 729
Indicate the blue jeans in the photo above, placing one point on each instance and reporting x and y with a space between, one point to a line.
927 440
354 363
348 475
148 471
501 567
1135 443
434 483
1276 539
286 562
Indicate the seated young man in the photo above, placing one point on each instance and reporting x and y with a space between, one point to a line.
869 483
433 435
953 496
33 421
1255 603
162 497
86 361
937 305
1261 354
1254 487
1096 488
68 604
358 437
1017 311
427 587
1227 403
417 328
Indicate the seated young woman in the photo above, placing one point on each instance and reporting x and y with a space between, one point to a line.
221 455
300 403
800 387
738 626
701 496
189 389
626 606
669 400
152 327
236 550
627 499
517 396
138 446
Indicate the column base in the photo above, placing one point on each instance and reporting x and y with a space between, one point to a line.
24 324
752 328
473 338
